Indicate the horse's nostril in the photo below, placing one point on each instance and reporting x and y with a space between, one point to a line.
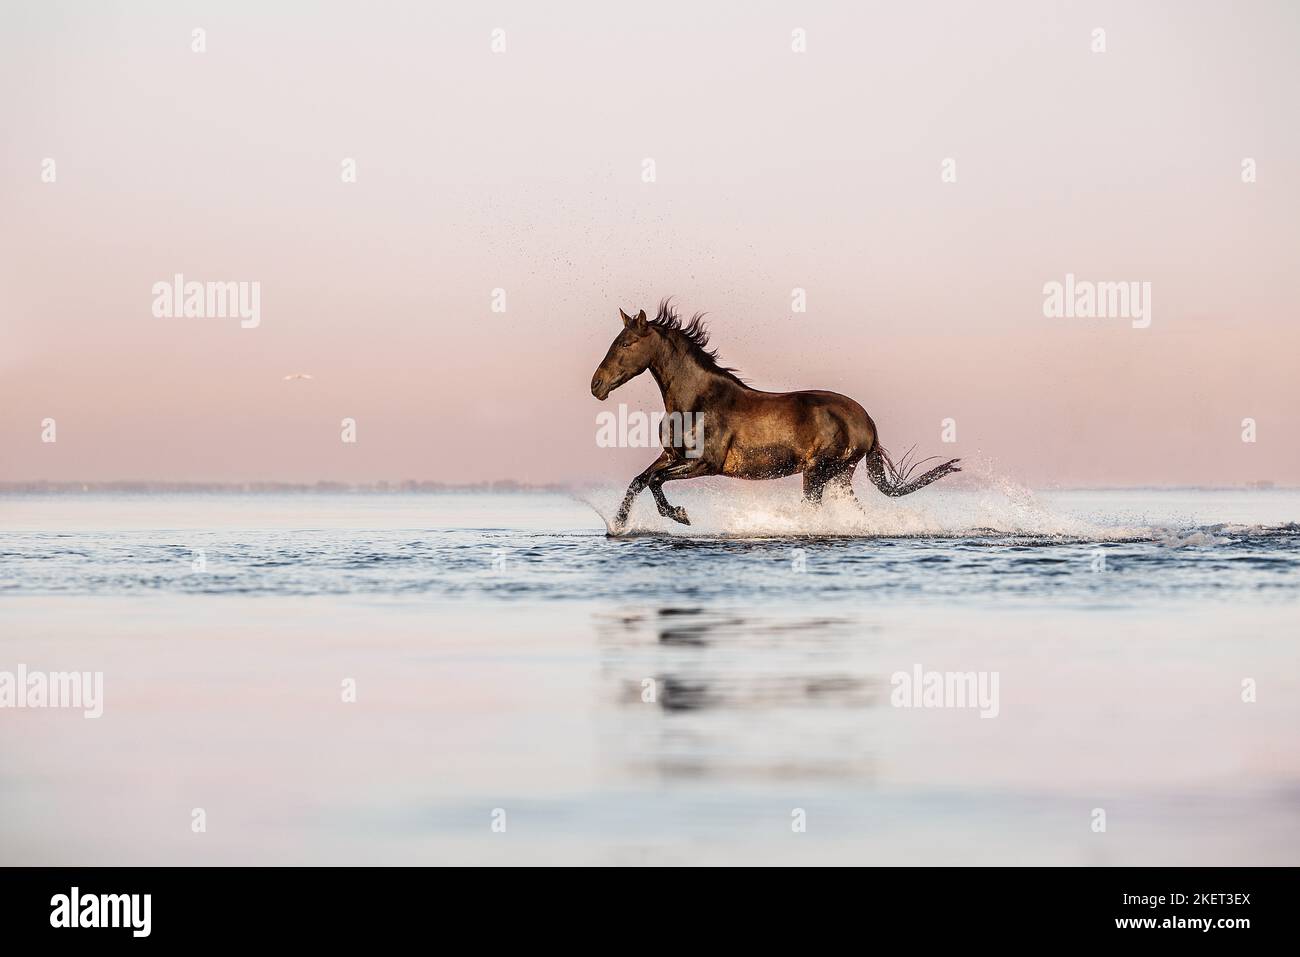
596 383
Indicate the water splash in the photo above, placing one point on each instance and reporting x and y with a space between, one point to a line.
987 504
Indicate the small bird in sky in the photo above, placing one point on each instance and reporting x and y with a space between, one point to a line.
296 375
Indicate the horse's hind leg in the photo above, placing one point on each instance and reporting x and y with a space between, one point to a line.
838 478
814 483
815 479
842 484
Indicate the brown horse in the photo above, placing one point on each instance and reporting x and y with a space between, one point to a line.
717 425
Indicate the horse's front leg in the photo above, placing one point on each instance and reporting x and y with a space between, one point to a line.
636 488
692 468
675 512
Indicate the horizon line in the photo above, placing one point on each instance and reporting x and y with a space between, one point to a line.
418 486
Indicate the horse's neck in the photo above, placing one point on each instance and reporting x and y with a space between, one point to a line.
683 381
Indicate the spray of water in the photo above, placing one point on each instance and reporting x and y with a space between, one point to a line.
986 503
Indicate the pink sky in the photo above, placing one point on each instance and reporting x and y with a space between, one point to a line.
522 171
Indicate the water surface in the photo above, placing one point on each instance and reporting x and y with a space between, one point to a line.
679 695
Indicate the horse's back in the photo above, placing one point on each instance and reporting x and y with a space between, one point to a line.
784 432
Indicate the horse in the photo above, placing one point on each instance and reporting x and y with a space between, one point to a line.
715 424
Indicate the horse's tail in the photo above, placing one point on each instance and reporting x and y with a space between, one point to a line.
895 480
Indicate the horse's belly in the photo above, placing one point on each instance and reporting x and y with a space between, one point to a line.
778 434
760 462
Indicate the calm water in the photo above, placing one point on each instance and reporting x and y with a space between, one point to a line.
679 695
1072 547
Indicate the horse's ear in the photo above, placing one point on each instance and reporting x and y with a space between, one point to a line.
640 318
627 320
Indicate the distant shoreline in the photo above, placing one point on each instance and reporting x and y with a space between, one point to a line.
150 488
501 486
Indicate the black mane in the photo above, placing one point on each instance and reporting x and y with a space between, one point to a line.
694 335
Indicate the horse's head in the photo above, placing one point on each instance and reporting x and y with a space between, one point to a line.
629 355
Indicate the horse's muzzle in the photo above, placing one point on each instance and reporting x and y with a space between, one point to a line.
598 388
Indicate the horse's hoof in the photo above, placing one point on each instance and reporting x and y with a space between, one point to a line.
678 514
